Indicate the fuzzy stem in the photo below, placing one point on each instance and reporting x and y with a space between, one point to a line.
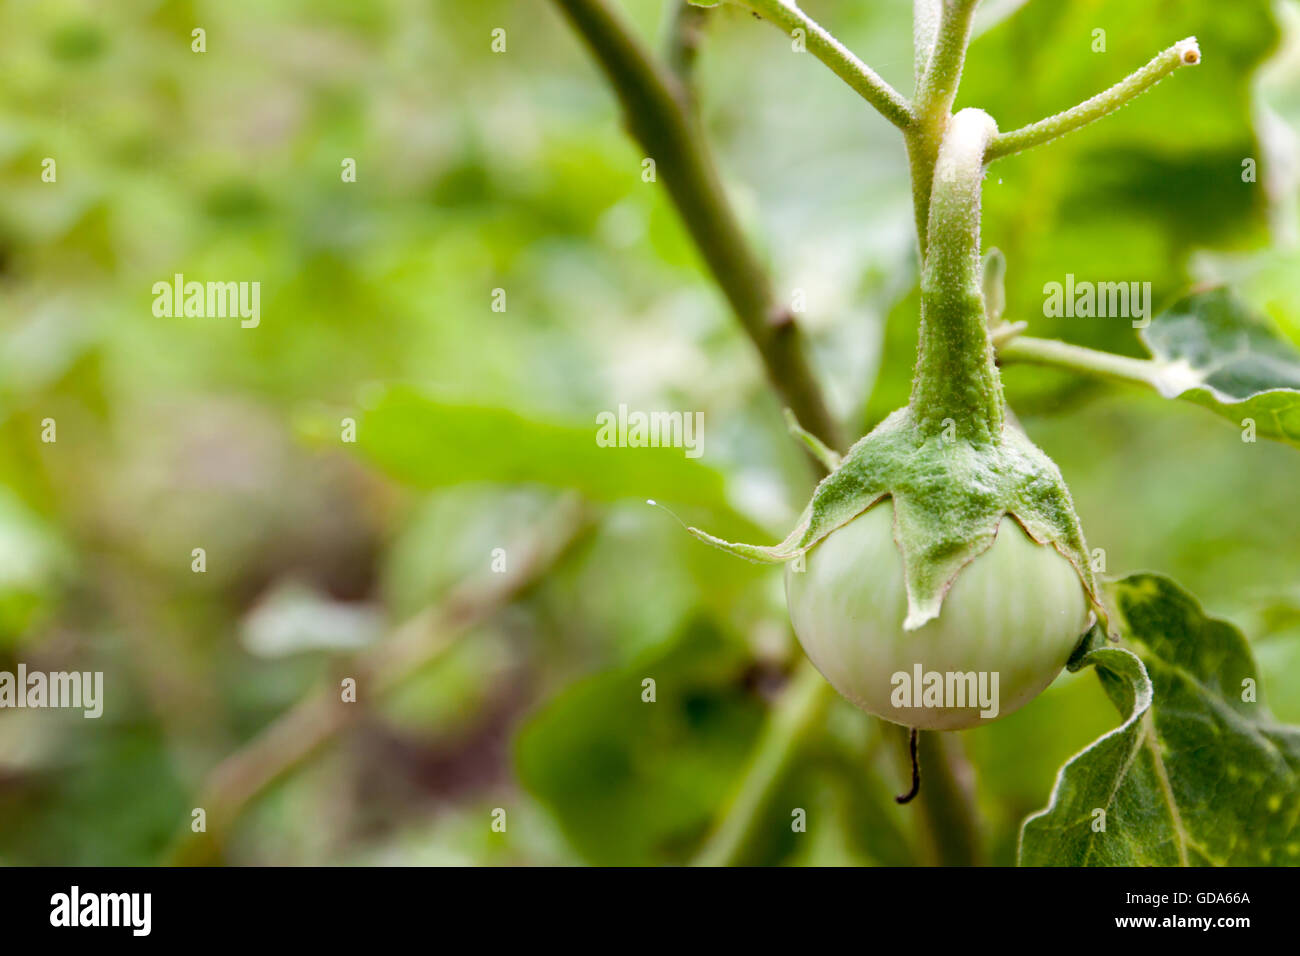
956 378
925 30
866 81
1183 53
659 116
1051 352
938 87
941 31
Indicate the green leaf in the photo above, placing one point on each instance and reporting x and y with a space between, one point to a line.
1199 772
1213 350
632 782
1017 757
429 442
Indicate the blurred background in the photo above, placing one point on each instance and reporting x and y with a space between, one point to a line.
510 680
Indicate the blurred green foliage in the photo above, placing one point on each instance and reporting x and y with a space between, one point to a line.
613 750
478 171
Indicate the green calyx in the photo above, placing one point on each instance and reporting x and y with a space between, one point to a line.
949 461
949 497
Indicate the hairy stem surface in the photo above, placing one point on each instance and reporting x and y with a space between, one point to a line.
1183 53
957 383
862 78
1050 352
942 32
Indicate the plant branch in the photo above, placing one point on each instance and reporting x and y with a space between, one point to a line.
938 87
942 30
867 82
297 734
796 715
1051 352
1183 53
925 31
658 114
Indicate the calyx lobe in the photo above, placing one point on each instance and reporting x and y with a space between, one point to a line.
949 497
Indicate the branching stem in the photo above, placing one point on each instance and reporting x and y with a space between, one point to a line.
956 375
937 88
1077 358
925 30
1183 53
862 78
942 33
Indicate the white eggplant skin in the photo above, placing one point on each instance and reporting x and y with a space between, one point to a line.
1018 611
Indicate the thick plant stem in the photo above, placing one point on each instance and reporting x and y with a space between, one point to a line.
796 715
1183 53
658 114
957 384
942 32
862 78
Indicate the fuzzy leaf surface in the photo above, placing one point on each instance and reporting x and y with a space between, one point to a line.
1198 774
1214 351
